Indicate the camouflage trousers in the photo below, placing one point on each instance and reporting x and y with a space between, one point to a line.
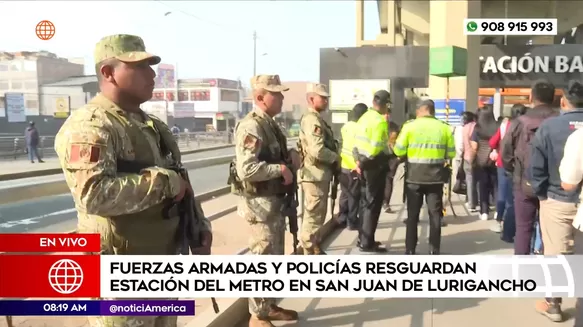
314 215
136 321
267 237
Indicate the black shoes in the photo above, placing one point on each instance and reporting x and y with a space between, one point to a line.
376 248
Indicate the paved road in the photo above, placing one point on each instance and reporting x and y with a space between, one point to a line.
57 214
54 164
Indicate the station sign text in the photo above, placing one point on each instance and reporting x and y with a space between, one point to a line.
532 64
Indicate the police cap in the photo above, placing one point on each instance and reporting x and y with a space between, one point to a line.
382 97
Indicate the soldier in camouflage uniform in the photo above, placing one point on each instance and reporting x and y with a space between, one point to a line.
125 209
261 151
320 160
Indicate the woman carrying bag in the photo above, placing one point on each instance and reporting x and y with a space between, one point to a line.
485 170
468 155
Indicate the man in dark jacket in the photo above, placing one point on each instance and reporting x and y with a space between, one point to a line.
393 163
32 141
516 157
557 206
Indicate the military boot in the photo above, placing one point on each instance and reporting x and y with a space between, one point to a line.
279 314
308 251
257 322
318 250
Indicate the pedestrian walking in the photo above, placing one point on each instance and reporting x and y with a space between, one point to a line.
32 138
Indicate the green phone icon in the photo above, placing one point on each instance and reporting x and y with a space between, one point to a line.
472 26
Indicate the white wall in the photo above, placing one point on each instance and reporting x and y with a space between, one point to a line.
50 94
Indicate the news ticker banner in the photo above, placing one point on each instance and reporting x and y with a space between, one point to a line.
233 276
96 308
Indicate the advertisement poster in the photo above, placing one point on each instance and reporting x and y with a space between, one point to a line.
62 108
183 109
15 109
345 94
165 77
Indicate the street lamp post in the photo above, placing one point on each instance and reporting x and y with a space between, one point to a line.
255 53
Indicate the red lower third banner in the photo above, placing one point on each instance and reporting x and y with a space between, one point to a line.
49 242
49 276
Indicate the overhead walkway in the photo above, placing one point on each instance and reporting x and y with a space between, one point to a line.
465 235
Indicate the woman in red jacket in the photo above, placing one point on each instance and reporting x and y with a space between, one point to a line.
505 222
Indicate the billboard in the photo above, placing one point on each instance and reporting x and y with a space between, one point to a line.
165 76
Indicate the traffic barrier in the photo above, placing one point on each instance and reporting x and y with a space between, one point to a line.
54 171
57 187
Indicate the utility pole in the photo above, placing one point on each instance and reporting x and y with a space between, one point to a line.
254 53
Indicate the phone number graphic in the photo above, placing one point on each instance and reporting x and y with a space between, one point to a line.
495 26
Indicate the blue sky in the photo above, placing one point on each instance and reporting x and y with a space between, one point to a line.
204 38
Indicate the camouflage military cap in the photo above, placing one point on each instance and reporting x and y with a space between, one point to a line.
270 83
123 47
319 89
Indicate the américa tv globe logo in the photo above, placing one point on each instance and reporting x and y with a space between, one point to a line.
45 30
65 276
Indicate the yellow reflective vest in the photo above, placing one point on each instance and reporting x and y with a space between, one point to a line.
372 135
348 133
427 143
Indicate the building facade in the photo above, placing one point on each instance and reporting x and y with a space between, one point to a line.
26 72
212 102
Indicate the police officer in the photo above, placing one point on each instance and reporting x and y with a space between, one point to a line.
349 176
320 160
261 153
112 127
372 155
427 143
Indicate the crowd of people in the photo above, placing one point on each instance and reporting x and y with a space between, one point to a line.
527 167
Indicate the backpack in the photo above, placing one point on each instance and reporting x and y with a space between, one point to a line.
483 159
523 150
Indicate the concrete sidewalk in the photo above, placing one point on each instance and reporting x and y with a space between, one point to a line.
465 235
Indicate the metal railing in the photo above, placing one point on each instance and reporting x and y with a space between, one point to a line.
15 147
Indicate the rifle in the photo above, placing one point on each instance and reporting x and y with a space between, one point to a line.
290 211
449 189
404 178
334 190
186 240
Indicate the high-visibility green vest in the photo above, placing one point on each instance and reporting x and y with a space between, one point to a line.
428 143
348 132
372 135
